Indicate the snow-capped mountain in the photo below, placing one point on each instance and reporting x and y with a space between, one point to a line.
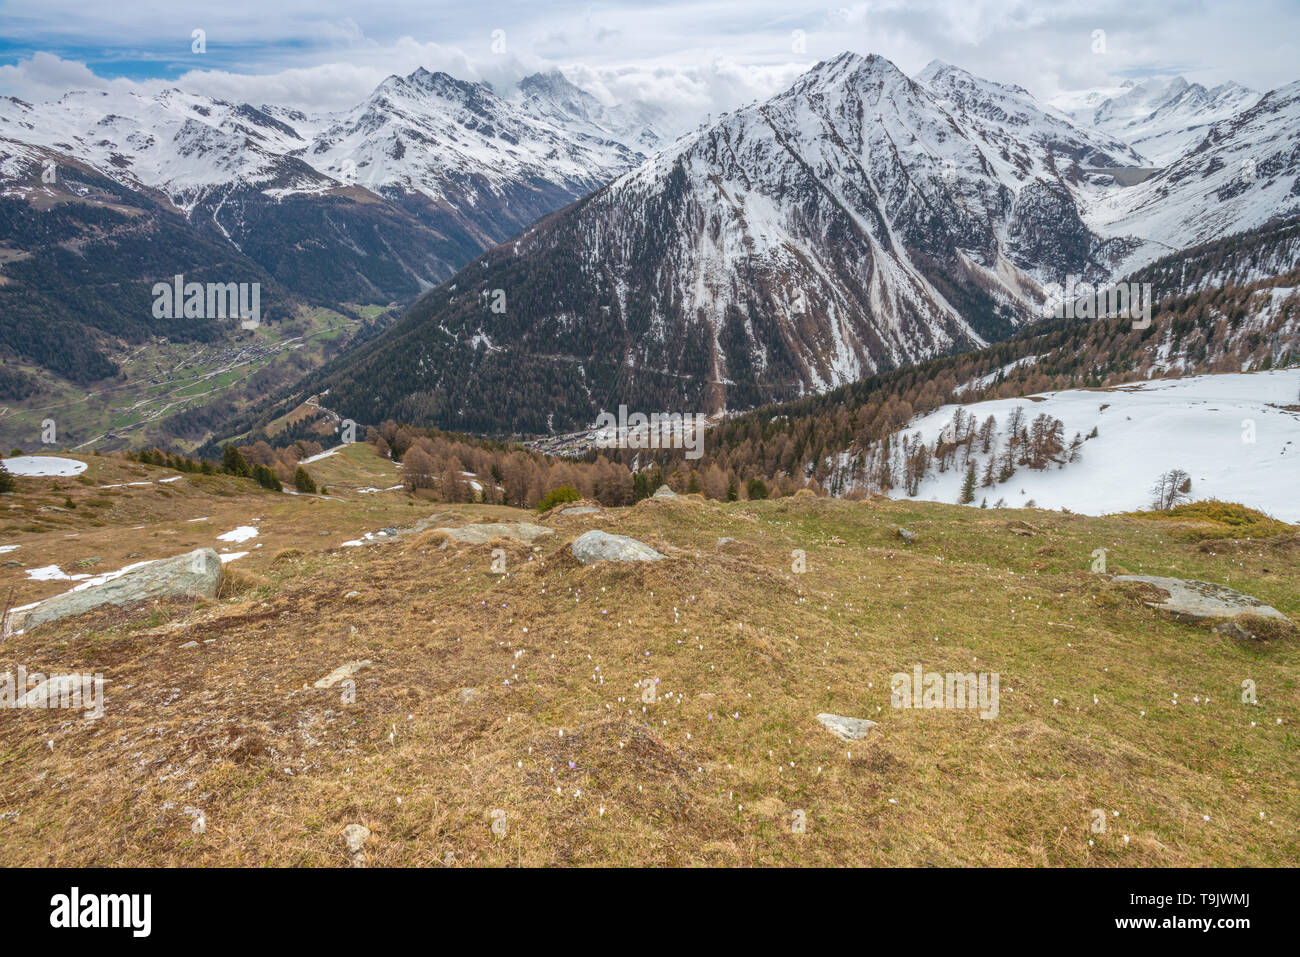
855 222
461 143
437 162
551 97
179 143
426 132
1162 117
1244 172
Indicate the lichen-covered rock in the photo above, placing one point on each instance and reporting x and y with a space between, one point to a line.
1195 601
663 491
196 574
597 546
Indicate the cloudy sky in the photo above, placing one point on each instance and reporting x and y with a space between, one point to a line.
693 56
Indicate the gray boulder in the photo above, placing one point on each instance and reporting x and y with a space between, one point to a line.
907 536
1197 601
195 574
844 727
663 491
485 532
597 546
581 510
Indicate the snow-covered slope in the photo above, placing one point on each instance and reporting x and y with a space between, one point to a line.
1198 424
1008 118
1162 118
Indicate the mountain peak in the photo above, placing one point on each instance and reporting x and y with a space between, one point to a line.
938 73
849 66
935 69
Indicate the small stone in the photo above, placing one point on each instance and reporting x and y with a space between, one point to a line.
341 672
846 728
356 836
907 536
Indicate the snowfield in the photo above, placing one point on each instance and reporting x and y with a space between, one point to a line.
43 465
1200 424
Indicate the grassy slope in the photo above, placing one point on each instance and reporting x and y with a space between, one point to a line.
746 652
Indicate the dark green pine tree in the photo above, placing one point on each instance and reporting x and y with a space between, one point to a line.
968 486
303 481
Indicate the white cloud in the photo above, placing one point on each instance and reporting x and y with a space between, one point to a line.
691 57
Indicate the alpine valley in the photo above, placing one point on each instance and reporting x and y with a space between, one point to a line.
338 216
568 258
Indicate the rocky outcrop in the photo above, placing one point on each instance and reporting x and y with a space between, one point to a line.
597 546
196 574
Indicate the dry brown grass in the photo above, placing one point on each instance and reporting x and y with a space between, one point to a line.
746 652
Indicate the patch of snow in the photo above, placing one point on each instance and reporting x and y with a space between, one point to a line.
43 465
323 455
51 573
241 534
